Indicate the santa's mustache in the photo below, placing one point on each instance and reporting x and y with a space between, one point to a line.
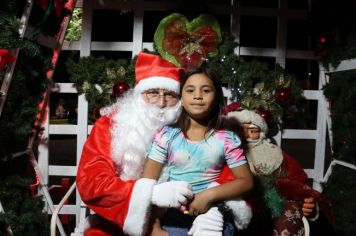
164 116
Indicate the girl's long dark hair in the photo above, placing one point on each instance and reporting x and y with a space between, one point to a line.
216 113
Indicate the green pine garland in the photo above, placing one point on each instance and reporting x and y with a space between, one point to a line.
96 76
341 187
341 191
23 212
27 86
252 82
334 51
341 92
336 32
21 104
333 25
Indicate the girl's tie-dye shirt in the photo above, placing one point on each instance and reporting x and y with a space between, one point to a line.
196 162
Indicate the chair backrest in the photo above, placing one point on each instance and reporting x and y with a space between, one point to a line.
306 226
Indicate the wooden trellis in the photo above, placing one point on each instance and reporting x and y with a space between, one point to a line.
86 46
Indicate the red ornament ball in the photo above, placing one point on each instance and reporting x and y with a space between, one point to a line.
191 61
283 95
119 89
266 115
344 141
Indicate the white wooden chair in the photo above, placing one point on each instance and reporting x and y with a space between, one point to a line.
79 230
306 226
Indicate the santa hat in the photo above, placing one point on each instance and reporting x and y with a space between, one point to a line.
153 71
234 106
248 116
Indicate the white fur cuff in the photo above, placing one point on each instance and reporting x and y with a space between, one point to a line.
139 207
241 211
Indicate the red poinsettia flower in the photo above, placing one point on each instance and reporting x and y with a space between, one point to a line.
187 44
6 58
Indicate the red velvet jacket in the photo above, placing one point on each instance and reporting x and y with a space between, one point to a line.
123 204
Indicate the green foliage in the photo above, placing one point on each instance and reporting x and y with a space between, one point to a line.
27 86
74 30
96 76
9 36
341 191
252 82
23 212
333 25
20 108
341 92
12 6
335 52
341 188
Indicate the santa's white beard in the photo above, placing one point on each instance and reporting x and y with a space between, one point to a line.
134 124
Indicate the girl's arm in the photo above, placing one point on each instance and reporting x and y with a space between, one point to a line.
242 183
152 169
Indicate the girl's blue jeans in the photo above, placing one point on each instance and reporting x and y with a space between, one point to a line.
175 223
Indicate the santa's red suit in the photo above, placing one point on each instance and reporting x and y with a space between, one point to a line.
273 168
105 192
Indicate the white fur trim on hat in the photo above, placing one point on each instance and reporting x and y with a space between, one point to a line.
139 207
158 82
247 116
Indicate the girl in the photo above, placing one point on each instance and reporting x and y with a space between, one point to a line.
196 148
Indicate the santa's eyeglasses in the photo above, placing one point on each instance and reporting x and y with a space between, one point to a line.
154 95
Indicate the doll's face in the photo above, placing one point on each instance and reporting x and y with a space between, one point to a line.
247 132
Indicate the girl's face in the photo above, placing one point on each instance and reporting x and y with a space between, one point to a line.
198 95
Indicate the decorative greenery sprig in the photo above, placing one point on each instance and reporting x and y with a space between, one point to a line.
96 76
252 82
23 212
74 30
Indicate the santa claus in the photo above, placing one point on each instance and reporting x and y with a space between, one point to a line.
113 157
281 196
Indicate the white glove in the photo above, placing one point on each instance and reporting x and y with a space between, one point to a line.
171 194
210 223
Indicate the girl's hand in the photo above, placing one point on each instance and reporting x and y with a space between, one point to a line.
158 231
201 203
